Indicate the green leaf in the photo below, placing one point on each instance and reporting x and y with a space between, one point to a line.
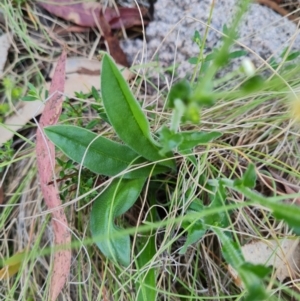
236 54
96 94
192 113
114 201
248 179
252 277
29 98
180 90
102 156
230 249
196 229
195 232
125 113
292 56
168 140
218 198
193 60
193 138
288 213
92 124
253 84
197 38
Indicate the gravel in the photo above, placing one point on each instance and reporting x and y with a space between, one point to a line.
169 36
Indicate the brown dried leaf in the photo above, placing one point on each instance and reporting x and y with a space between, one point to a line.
45 151
112 42
283 255
82 74
87 14
25 111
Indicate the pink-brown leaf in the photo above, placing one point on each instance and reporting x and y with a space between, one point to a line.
88 14
45 151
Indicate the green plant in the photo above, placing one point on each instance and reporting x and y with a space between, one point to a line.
148 157
132 163
141 157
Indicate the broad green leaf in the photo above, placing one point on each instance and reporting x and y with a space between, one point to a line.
125 113
114 201
102 156
12 265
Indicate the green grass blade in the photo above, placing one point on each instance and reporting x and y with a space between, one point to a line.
146 283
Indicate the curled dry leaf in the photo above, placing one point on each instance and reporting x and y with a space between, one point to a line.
45 151
283 255
87 14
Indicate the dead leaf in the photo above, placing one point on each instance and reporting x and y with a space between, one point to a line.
25 111
82 74
112 42
45 151
87 14
4 46
12 265
283 255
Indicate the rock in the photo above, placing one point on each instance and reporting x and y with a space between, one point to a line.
262 32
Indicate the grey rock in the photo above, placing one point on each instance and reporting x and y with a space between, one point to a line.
169 36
